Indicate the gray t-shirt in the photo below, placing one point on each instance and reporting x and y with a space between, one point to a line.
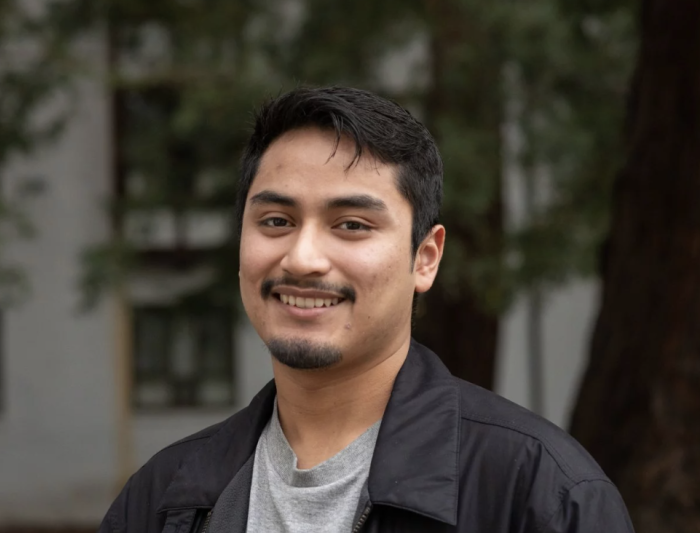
323 499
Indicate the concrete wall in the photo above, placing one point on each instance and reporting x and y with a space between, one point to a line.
57 424
567 319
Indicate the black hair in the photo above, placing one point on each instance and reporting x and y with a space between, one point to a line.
378 126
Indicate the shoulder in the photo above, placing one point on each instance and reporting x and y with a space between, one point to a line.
512 430
191 472
142 493
166 462
521 463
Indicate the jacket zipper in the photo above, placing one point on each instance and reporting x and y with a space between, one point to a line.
206 523
363 518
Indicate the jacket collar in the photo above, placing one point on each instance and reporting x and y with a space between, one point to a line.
415 462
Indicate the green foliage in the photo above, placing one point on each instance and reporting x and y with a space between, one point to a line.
572 84
33 68
189 73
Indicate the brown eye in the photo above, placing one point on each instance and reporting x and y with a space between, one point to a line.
352 225
275 222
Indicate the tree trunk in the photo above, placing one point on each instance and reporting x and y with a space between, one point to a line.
638 411
464 336
465 83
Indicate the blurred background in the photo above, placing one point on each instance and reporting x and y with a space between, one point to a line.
571 279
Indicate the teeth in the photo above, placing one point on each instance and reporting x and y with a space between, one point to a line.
308 303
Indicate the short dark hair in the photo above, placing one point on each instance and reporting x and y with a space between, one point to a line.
379 126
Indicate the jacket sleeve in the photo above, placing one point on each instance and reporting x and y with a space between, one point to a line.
590 507
115 519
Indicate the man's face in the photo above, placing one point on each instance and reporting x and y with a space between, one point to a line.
325 255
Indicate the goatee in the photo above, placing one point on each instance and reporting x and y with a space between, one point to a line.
304 355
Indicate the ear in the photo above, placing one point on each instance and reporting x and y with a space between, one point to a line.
428 258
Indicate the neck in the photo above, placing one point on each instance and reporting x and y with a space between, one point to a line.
322 412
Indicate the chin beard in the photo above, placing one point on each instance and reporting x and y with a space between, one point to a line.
304 355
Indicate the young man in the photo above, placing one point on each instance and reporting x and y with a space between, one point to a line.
362 429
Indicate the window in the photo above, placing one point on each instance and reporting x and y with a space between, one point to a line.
174 170
182 358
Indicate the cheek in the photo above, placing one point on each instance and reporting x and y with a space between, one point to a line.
385 286
255 266
256 256
383 273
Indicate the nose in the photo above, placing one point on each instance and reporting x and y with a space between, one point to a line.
305 256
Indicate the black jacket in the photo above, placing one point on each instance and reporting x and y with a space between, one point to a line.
450 457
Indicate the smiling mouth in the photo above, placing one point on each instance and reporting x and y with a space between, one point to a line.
308 303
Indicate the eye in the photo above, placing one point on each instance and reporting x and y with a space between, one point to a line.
275 222
353 225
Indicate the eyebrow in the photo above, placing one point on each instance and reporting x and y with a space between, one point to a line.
271 197
358 201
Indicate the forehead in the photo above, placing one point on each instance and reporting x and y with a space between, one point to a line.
307 163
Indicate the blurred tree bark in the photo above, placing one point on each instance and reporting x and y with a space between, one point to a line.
638 410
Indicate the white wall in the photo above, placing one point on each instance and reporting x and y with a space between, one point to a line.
568 315
57 425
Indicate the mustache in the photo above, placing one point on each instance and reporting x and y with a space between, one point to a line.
268 285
